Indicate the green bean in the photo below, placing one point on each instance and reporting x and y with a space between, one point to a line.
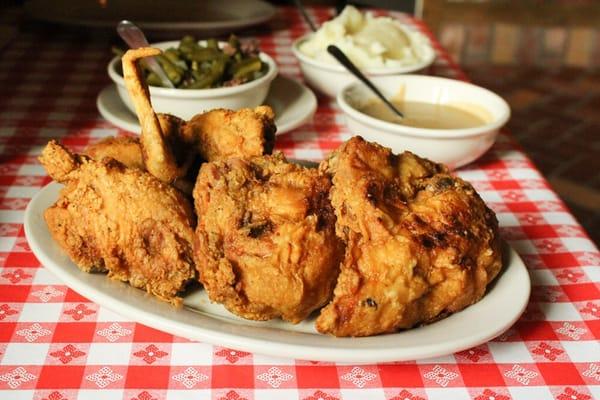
212 44
153 80
187 45
203 54
173 56
188 39
234 42
202 81
173 72
186 49
246 68
205 66
164 61
218 67
208 78
202 84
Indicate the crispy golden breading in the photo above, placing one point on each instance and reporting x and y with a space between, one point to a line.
128 151
121 220
220 134
420 243
124 149
266 244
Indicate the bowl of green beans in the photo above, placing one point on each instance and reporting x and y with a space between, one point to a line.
206 74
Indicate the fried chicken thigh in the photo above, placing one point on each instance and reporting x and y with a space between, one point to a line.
110 218
266 244
126 150
220 134
420 243
169 144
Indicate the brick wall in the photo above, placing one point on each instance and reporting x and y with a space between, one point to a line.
544 33
510 44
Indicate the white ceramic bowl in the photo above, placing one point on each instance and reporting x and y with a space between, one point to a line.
453 147
185 103
331 78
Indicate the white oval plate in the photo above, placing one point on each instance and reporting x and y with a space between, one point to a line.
294 105
200 320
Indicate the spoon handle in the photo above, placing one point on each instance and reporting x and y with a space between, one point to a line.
134 37
341 57
309 21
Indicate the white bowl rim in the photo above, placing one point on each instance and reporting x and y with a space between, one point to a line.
199 93
497 123
431 55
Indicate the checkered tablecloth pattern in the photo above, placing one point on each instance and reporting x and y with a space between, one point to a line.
55 344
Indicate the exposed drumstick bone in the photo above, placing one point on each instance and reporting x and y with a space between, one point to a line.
158 157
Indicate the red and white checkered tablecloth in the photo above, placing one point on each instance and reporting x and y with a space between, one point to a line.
55 344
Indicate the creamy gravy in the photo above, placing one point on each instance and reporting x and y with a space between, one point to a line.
425 115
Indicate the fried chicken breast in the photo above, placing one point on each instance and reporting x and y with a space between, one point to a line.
420 243
220 134
110 218
265 242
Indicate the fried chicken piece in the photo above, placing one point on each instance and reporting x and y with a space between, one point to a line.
420 243
126 150
220 134
266 244
110 218
160 139
170 144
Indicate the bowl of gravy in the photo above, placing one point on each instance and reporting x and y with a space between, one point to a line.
445 120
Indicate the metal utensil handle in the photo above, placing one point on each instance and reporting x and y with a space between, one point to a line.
134 37
157 69
341 57
307 18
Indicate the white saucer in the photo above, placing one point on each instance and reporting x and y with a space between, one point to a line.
294 104
172 18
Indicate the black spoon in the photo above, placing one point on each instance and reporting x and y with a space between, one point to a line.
309 21
345 61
